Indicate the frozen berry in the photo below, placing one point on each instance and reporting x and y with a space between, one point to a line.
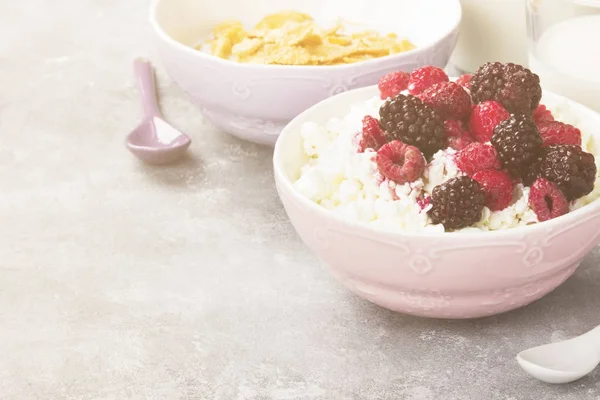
477 157
513 86
541 114
497 188
400 162
408 119
449 99
458 136
572 169
464 81
371 136
555 132
455 128
518 143
484 118
532 172
546 200
424 202
459 143
456 203
422 78
393 83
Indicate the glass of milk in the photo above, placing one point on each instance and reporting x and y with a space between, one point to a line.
491 30
564 47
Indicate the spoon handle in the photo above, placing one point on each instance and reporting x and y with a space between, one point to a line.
145 78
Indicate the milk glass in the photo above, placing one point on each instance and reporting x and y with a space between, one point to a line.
564 47
491 30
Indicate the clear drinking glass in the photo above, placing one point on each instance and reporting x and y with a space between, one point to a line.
490 30
564 47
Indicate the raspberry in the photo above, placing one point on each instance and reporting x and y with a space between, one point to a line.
400 162
459 143
555 132
458 137
456 203
408 119
518 143
455 128
570 168
497 188
422 78
464 81
476 157
393 83
448 99
513 86
484 118
541 114
546 200
372 136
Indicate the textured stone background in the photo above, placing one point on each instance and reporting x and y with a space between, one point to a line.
119 280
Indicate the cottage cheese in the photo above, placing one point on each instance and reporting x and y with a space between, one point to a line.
348 183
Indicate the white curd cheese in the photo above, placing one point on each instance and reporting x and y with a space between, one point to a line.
348 183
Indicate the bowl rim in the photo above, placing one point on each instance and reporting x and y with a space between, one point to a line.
158 29
285 184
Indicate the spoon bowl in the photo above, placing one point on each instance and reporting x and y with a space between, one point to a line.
154 141
565 361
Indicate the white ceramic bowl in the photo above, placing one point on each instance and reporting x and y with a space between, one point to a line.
444 275
254 102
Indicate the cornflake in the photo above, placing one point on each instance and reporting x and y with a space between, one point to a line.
293 38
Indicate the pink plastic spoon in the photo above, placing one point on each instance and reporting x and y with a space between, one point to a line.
154 140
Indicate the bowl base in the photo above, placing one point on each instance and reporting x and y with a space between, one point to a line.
436 304
255 130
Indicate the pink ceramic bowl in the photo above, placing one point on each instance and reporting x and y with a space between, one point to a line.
443 275
255 102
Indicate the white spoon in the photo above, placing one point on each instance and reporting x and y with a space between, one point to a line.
154 141
563 362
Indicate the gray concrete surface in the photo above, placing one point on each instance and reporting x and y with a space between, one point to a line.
122 281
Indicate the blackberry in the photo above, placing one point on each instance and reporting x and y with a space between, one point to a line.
408 119
532 172
518 143
457 203
570 168
514 86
